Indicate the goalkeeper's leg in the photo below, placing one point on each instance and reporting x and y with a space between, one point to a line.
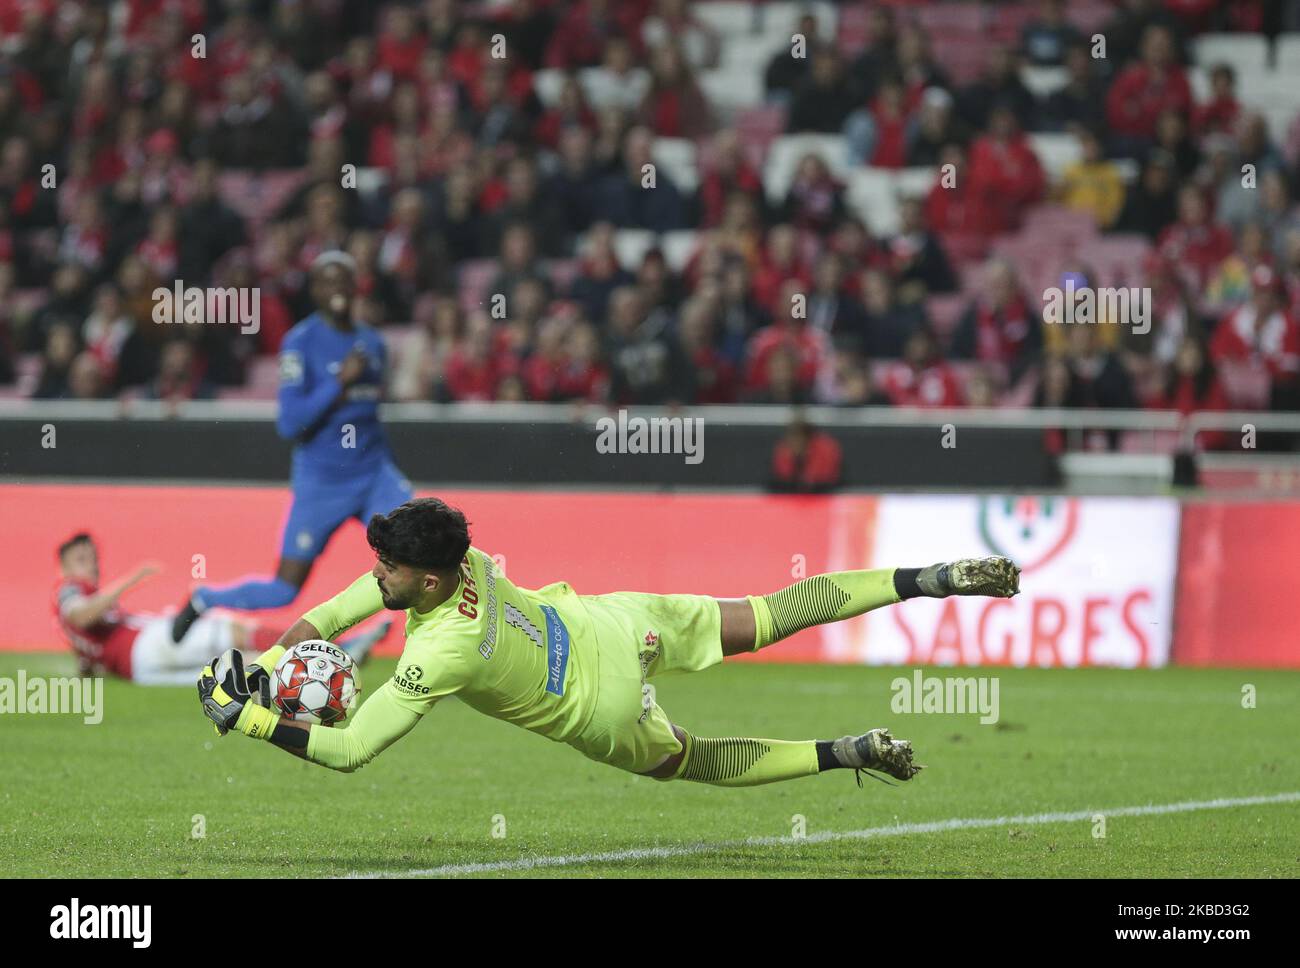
743 761
755 622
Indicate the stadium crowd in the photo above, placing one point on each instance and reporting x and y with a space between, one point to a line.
225 170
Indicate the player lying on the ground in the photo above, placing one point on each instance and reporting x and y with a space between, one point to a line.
571 667
331 381
110 641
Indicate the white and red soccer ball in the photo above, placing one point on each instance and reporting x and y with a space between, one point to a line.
314 682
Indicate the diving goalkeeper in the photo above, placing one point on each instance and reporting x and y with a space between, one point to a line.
571 667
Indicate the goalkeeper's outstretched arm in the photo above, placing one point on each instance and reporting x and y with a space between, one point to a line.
379 723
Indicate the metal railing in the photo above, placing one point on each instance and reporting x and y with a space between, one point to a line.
1076 420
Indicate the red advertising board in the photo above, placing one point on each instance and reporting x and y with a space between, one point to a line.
721 545
1238 588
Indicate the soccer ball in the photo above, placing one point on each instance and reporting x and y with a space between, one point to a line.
314 682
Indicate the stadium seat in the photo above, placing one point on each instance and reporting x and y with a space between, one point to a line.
371 180
601 89
731 90
915 182
631 245
873 196
1089 16
962 54
1056 152
678 247
547 85
758 127
1245 52
1118 260
1043 81
785 153
853 32
730 18
940 17
779 20
473 278
676 156
965 249
752 52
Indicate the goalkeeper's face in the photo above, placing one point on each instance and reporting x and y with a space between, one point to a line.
402 586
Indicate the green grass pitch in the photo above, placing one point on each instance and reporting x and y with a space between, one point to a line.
123 798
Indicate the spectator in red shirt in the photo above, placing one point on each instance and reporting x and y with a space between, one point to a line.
955 210
580 38
779 261
1195 242
1262 333
1005 171
400 46
473 371
877 136
922 378
1192 384
806 461
1142 90
583 375
1000 326
726 171
1219 114
675 107
791 333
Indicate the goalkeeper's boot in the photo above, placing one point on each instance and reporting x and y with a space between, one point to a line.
995 576
876 750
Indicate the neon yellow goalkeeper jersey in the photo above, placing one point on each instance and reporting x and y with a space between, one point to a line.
526 657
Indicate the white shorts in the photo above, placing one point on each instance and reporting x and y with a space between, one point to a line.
156 661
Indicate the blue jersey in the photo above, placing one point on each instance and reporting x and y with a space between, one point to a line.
335 439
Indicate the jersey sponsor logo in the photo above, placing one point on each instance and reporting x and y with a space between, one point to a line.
489 643
408 681
557 651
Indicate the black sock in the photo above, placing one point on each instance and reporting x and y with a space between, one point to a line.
182 622
826 757
905 583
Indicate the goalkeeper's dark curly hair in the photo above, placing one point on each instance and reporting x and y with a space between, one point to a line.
423 533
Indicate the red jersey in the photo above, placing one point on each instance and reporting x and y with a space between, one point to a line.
934 385
105 645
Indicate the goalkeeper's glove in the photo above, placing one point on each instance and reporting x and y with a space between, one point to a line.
228 697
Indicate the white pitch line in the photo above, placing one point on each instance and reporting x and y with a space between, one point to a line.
935 826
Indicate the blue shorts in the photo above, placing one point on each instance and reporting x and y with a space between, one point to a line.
320 508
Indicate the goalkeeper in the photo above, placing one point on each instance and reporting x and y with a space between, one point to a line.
571 667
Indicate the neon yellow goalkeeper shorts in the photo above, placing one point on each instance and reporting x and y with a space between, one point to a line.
640 636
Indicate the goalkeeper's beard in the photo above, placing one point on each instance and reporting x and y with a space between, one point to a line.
395 603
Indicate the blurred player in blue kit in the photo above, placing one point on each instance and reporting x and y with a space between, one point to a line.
331 382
